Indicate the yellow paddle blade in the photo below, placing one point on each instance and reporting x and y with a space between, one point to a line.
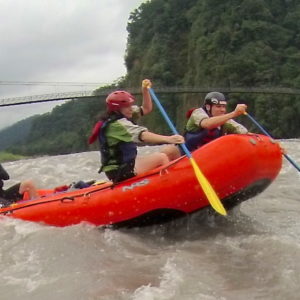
208 189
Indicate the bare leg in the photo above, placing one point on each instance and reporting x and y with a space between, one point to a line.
29 187
171 151
149 162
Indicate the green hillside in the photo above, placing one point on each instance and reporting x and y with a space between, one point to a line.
17 133
214 43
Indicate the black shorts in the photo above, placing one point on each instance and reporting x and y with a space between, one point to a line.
123 173
10 195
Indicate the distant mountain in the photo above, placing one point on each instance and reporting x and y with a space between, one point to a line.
16 133
63 130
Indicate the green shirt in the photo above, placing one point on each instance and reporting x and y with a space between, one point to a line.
122 130
199 114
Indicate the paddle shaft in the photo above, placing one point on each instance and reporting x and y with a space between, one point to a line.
268 134
166 117
204 183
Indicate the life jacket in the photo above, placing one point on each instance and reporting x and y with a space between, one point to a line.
194 140
122 153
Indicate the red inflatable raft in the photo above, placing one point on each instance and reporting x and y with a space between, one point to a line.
237 166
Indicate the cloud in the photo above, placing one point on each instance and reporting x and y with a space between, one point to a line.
42 36
61 41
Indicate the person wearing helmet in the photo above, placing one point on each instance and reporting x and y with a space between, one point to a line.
208 123
212 121
119 135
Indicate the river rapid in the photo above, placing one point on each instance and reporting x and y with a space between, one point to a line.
254 253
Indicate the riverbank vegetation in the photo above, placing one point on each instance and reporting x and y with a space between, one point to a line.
6 156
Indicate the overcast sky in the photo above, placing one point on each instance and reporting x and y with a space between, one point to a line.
59 41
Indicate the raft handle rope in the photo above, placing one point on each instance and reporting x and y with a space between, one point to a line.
10 209
67 199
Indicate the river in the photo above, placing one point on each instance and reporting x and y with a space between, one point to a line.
254 253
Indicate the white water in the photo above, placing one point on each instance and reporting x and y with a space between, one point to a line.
253 254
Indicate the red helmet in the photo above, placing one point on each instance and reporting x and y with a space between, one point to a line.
118 99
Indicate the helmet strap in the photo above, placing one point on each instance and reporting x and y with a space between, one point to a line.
207 108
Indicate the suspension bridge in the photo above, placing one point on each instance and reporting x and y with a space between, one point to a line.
136 91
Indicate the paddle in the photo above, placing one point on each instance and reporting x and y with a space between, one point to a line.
268 134
204 183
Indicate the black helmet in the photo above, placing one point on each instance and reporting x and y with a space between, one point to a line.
215 98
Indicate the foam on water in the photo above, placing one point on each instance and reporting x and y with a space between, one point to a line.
252 254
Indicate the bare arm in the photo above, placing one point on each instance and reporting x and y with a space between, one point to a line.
214 122
153 138
147 101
